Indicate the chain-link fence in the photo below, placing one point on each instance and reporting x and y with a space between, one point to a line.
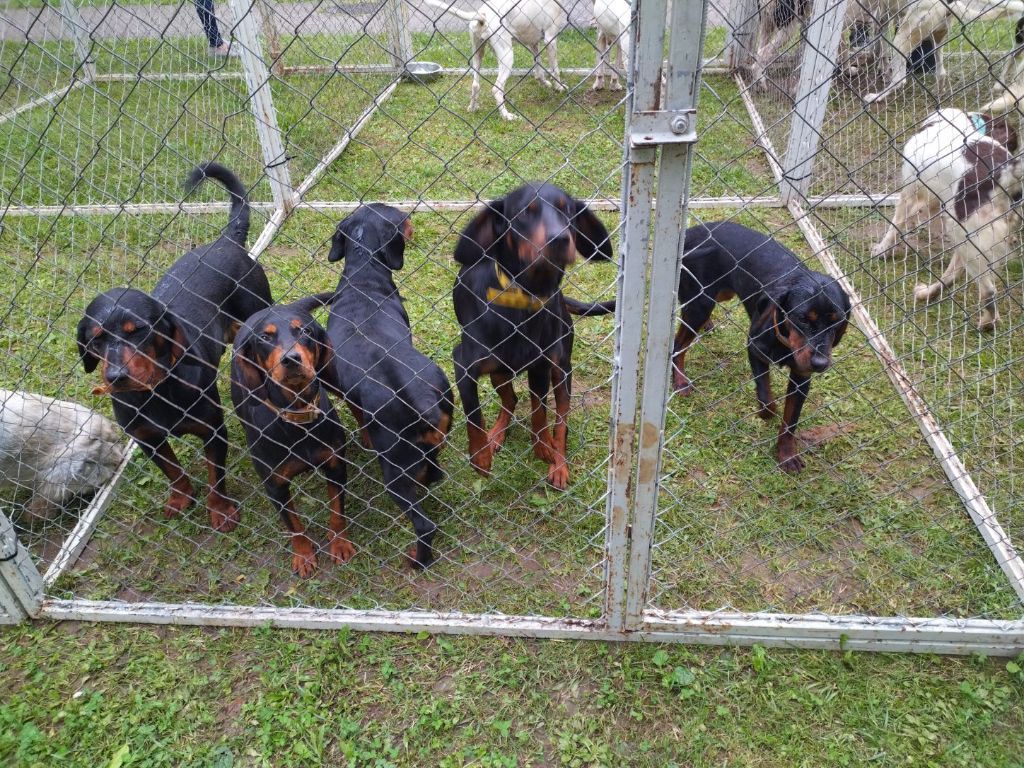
655 514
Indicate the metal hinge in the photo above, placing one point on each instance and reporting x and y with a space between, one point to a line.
648 129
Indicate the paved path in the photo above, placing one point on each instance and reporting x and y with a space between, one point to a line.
325 17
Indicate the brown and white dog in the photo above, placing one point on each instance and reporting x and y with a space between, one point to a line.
960 171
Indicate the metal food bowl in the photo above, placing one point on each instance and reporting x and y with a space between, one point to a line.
422 71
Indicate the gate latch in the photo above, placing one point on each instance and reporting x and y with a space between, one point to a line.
648 129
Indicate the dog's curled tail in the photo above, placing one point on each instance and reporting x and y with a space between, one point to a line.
589 308
317 300
449 8
238 218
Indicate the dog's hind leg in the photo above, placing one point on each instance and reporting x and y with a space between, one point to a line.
909 204
601 62
694 316
930 292
506 58
537 70
403 490
476 62
551 41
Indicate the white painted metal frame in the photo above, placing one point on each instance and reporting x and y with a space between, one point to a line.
634 469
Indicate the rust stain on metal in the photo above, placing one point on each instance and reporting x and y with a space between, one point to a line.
648 463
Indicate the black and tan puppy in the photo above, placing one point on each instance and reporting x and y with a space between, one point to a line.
401 399
514 317
281 369
158 353
796 315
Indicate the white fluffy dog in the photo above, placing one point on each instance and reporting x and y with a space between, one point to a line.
612 19
959 170
56 448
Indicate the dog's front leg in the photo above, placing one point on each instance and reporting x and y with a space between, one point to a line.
539 379
551 41
786 450
403 490
600 62
477 62
339 547
303 549
558 469
222 510
160 451
466 379
538 69
503 386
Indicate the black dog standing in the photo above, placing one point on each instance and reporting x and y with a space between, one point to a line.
281 364
401 398
158 354
514 317
796 315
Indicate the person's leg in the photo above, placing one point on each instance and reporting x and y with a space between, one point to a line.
204 8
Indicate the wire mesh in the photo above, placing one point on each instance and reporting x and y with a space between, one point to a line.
93 175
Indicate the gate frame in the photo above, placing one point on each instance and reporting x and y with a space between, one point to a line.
655 138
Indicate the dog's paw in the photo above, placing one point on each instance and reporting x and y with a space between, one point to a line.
304 563
417 562
542 450
791 465
681 384
181 498
987 322
616 85
558 475
506 115
482 459
766 411
224 516
558 87
341 549
880 251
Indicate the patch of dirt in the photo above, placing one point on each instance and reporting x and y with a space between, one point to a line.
812 437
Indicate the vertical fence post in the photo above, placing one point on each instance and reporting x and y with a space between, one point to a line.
675 130
257 78
817 68
21 586
741 32
671 126
401 40
73 20
272 38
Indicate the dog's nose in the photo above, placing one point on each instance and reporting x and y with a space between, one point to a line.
116 374
560 240
820 362
292 359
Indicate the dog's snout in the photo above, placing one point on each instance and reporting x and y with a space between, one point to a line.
820 361
116 374
292 359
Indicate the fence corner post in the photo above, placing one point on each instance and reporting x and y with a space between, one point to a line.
21 586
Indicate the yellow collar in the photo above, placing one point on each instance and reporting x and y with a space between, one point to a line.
304 416
510 295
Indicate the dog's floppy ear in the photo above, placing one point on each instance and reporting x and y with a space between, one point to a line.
592 239
844 303
326 369
89 360
392 253
244 369
171 329
339 242
481 233
767 313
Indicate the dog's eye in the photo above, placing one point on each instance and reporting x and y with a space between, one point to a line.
264 336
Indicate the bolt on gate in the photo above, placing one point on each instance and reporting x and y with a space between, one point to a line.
677 525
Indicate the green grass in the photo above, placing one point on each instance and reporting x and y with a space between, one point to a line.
81 695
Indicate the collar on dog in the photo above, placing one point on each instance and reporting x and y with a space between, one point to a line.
305 415
775 326
979 122
510 295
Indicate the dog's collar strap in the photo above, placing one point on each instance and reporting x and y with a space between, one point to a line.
979 122
510 295
775 327
306 415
